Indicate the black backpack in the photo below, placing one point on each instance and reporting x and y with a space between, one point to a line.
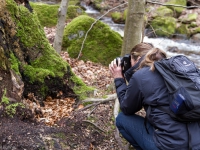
182 79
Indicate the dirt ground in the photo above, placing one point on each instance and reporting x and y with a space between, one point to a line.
83 128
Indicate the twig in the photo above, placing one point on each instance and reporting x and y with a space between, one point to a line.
94 125
92 110
109 98
94 24
188 7
88 106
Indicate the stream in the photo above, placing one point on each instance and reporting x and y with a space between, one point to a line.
171 46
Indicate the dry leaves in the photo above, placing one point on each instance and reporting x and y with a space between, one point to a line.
92 74
53 110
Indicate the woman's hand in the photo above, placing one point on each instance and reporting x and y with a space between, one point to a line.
115 68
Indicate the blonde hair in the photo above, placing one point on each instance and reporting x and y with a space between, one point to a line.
140 50
153 55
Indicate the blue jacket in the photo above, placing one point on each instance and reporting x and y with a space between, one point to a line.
147 88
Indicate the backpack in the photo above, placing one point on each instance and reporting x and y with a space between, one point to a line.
182 79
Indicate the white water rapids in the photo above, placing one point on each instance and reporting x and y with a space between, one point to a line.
185 47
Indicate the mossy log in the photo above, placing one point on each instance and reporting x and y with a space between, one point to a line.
28 63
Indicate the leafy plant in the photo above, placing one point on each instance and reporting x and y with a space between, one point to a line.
10 109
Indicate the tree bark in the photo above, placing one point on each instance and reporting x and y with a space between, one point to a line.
28 63
134 25
60 26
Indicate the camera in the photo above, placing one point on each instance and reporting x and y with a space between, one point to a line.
125 62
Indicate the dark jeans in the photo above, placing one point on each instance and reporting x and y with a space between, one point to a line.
133 130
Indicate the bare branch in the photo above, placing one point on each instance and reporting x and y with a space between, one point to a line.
94 125
94 24
88 106
188 7
109 98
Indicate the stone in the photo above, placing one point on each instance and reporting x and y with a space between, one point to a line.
101 44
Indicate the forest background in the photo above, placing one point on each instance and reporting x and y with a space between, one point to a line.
53 100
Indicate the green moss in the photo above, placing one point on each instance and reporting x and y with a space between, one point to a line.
10 108
74 11
116 16
183 29
164 26
125 13
37 73
48 14
80 88
177 2
189 18
195 30
14 63
102 44
43 60
46 61
4 100
192 25
163 11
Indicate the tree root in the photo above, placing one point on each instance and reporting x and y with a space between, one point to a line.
94 125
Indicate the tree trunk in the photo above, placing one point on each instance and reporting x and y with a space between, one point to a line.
134 25
60 26
28 63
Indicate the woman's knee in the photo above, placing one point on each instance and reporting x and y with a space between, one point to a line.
121 119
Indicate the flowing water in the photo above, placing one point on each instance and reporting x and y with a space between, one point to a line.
171 46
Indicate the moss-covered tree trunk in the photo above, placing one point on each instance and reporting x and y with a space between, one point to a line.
134 25
28 64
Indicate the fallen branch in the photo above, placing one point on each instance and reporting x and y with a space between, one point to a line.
94 125
188 7
98 101
109 98
88 106
92 110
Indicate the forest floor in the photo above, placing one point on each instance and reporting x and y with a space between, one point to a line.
65 124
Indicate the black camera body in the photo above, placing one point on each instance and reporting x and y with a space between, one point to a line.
125 62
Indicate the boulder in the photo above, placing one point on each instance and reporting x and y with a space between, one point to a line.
48 14
97 43
164 26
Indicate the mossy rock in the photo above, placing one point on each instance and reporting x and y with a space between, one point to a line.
39 63
178 10
125 13
164 26
163 11
118 17
192 24
189 18
100 5
102 44
195 30
183 29
48 14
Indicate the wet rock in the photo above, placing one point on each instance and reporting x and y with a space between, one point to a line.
173 49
